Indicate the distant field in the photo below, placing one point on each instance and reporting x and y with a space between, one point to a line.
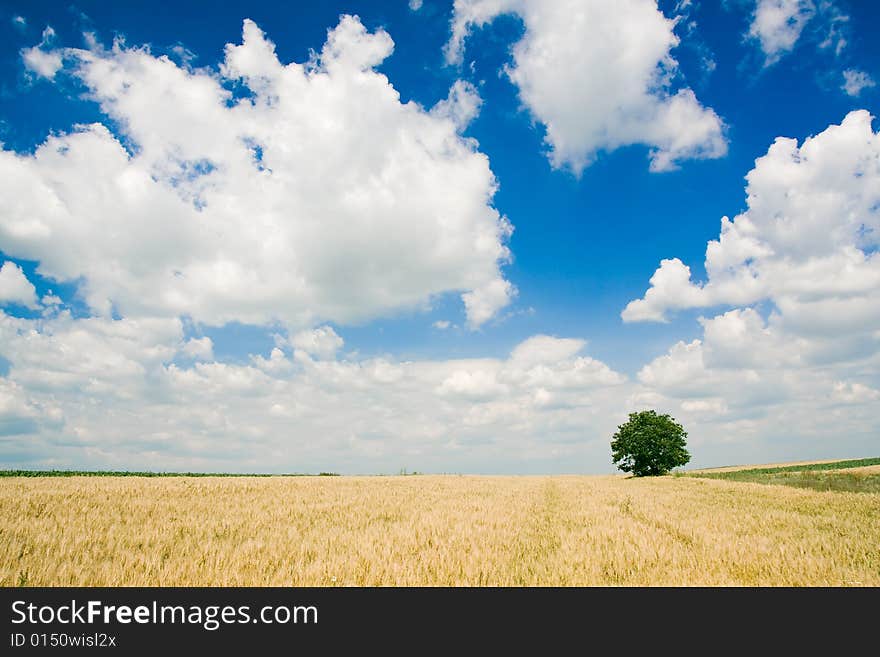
762 466
854 476
432 530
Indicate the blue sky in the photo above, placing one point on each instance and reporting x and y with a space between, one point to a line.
586 237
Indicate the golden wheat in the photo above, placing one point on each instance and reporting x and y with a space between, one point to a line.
432 530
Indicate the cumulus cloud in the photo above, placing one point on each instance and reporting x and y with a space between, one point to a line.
477 383
807 241
50 300
484 302
545 349
88 355
670 287
15 287
200 348
277 363
799 355
415 5
322 342
752 380
598 76
315 196
18 415
461 106
854 82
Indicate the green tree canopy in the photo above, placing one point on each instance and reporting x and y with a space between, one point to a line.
649 444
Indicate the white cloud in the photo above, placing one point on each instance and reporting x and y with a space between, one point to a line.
39 59
476 384
277 363
321 197
714 406
322 342
51 300
415 5
461 106
17 414
45 64
19 22
747 381
670 287
484 302
854 393
777 25
15 287
441 324
598 77
542 349
854 82
741 339
88 357
199 348
807 241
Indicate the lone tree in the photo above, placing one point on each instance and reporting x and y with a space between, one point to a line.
649 444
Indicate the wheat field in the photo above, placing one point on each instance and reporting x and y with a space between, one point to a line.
432 530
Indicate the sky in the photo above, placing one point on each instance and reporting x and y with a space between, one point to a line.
465 237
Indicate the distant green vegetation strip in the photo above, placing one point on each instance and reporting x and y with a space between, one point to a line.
833 481
834 465
817 476
127 473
